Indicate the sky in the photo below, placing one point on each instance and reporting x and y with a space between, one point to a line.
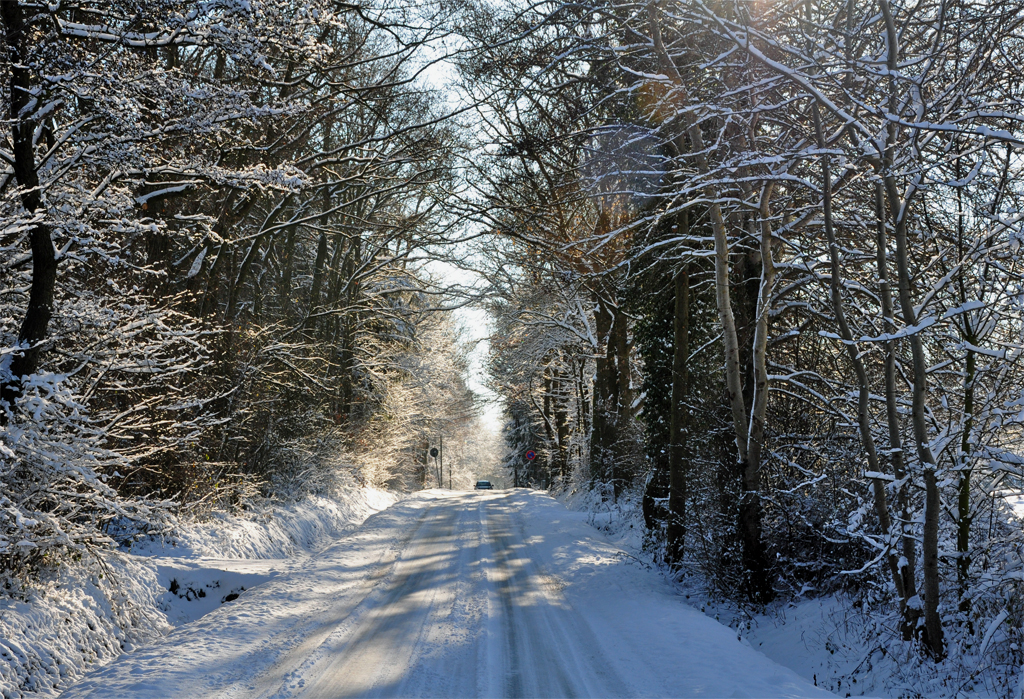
476 323
476 326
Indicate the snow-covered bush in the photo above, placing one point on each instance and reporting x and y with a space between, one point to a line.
71 618
55 499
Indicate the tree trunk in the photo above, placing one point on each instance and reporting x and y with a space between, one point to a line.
284 292
349 321
756 559
582 405
561 419
623 448
908 573
677 465
963 505
733 371
207 301
853 351
604 433
319 267
229 217
898 211
239 278
750 507
318 276
44 262
930 541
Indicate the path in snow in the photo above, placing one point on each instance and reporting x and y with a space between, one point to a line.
455 595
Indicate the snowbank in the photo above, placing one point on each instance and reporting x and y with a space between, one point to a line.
305 526
91 611
87 614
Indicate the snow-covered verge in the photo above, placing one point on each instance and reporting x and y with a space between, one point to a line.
277 532
838 642
89 611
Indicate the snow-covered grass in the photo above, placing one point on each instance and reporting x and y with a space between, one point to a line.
89 611
852 650
276 532
620 520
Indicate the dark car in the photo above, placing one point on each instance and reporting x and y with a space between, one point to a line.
483 485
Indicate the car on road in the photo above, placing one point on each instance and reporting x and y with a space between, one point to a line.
483 485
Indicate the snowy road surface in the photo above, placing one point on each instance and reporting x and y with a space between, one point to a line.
455 595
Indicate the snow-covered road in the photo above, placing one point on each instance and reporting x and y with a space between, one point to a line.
445 594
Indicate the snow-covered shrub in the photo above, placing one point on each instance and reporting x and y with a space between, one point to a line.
55 499
71 618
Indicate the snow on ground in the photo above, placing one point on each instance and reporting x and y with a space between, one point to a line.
65 623
830 641
212 562
713 660
91 611
814 638
455 594
277 532
845 649
1016 501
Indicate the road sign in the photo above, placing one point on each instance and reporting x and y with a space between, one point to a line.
531 455
433 452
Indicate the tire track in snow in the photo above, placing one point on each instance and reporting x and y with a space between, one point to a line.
387 646
548 650
271 683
